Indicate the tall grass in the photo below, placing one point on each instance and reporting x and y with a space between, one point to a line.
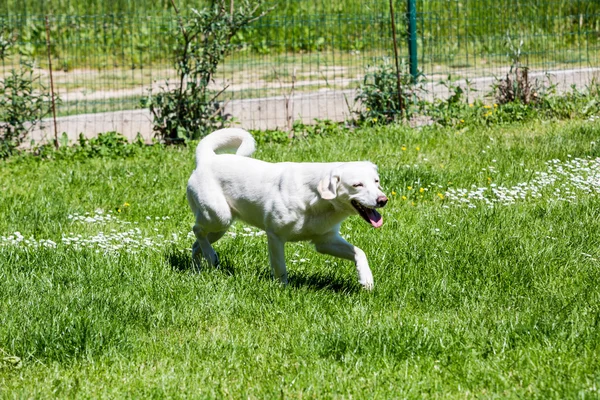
490 301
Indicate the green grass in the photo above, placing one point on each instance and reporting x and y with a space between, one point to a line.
493 301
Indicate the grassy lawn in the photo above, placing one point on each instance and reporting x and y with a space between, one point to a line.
486 277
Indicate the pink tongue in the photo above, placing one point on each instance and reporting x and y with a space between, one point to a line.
375 218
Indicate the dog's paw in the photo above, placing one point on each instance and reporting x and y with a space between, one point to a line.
283 279
366 281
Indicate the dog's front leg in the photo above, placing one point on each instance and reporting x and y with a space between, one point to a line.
336 246
277 257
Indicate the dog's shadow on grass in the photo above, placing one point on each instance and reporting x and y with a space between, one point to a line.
182 262
318 282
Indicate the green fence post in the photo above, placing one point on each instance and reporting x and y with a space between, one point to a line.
412 38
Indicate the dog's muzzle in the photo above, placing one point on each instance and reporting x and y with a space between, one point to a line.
370 214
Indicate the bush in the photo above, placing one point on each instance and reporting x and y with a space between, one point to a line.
105 145
319 128
23 104
188 109
378 95
24 101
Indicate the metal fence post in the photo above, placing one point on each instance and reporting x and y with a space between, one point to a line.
412 37
51 81
401 105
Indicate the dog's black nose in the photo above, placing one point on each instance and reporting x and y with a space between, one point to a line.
382 201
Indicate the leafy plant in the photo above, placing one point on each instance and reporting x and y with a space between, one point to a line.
108 144
572 104
516 97
453 110
189 109
378 95
105 145
6 41
319 127
300 130
24 101
516 86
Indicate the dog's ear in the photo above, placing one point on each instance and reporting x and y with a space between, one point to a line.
328 186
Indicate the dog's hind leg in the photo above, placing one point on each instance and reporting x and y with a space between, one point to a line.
202 245
214 236
213 217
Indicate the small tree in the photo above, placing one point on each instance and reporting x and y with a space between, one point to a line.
188 109
24 101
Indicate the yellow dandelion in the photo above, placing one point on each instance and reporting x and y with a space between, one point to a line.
126 204
403 148
403 197
418 148
487 106
441 196
409 187
393 193
413 203
495 105
470 104
421 190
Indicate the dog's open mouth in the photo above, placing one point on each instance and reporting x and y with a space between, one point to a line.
369 214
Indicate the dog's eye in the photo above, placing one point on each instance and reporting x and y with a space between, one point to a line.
376 180
358 185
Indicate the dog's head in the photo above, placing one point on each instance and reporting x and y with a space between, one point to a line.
354 186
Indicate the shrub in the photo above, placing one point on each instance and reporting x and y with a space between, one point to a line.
189 109
23 103
378 95
455 109
105 145
300 130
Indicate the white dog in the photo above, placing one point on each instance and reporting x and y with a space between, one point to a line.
289 201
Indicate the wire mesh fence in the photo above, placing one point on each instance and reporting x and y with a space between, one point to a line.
303 60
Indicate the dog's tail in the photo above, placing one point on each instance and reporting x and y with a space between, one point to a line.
228 139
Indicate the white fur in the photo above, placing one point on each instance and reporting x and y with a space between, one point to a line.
289 201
